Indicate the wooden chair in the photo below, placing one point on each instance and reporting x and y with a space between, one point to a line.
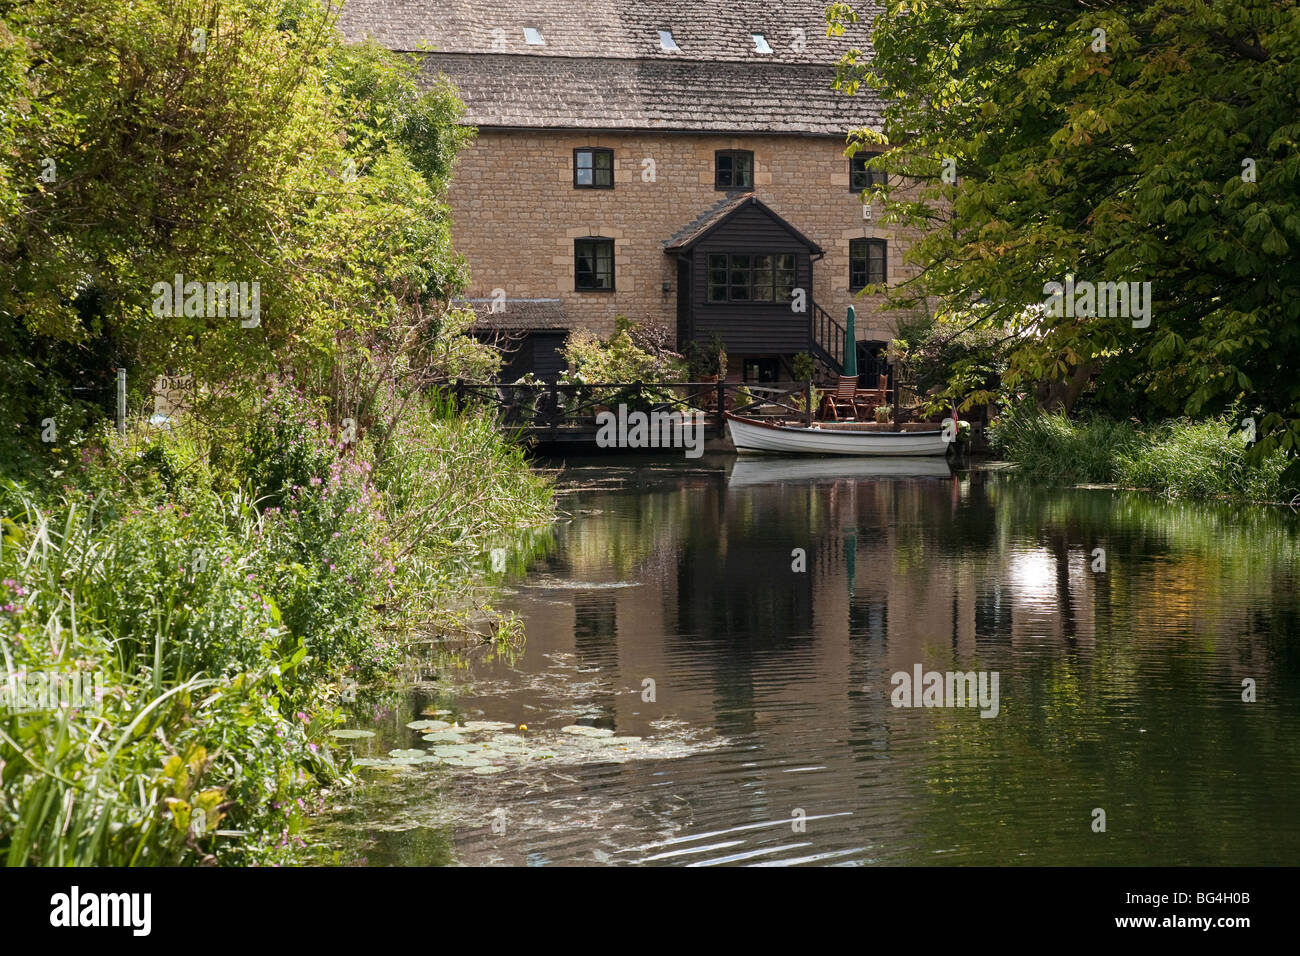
868 400
841 401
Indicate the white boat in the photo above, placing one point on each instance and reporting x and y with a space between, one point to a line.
831 438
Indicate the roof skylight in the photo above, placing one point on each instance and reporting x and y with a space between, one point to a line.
533 37
760 43
667 43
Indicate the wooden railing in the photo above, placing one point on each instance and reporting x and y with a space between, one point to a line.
826 338
554 408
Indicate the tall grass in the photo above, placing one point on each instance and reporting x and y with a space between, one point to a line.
451 488
1205 459
1178 458
220 588
1056 448
180 724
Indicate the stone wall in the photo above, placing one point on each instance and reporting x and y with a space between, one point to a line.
516 214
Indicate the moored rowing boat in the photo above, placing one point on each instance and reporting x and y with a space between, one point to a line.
752 435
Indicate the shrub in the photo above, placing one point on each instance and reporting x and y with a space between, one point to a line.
804 367
634 353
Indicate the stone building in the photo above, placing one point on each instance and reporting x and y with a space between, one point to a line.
676 162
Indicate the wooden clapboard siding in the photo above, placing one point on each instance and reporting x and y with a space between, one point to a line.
748 328
548 363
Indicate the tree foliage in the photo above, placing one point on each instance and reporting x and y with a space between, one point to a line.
241 141
1125 141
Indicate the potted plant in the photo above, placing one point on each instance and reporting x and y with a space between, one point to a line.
804 367
884 413
718 353
744 397
702 363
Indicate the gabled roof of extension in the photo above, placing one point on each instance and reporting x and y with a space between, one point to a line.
602 66
723 210
518 313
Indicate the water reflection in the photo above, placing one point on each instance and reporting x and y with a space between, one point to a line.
1120 689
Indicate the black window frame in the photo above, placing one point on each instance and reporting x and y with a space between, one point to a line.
748 265
731 155
874 177
860 250
598 243
594 150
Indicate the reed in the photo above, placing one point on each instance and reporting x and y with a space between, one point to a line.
218 614
1180 458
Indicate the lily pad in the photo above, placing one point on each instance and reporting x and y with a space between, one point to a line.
351 734
430 712
619 741
484 771
406 753
582 731
428 725
443 737
452 750
422 758
375 763
467 762
473 725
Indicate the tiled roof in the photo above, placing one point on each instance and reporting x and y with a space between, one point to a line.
548 93
719 212
602 66
518 313
795 29
711 217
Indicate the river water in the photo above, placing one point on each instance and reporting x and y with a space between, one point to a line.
751 622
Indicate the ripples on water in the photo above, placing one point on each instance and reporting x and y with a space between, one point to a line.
772 740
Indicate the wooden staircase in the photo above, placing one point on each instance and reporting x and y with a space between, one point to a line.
826 345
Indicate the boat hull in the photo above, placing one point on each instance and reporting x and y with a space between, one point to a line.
751 436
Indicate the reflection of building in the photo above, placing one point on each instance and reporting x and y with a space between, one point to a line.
678 162
1123 683
897 574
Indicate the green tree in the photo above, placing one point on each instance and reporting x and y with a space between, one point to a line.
224 142
1125 141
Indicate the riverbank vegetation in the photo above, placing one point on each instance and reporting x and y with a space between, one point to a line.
232 568
1176 458
1135 147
